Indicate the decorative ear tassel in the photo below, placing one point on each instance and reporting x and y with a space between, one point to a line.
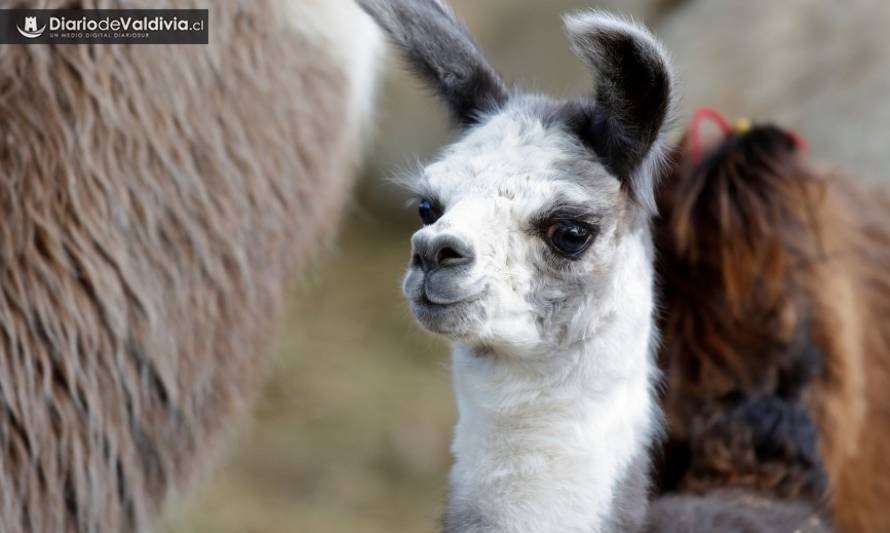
740 127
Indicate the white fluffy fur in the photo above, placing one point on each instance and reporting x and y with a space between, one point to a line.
541 446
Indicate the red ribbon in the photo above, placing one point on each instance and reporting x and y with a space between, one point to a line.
707 113
700 115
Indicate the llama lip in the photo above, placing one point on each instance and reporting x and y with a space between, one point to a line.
447 285
439 291
454 318
441 287
427 301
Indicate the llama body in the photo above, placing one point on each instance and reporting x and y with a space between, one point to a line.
788 317
536 261
154 200
851 402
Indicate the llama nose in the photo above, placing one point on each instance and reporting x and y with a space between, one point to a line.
442 251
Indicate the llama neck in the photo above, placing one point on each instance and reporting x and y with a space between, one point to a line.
559 444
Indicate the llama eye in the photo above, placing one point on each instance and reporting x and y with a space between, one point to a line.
569 239
428 211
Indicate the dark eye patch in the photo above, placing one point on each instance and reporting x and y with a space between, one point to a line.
563 208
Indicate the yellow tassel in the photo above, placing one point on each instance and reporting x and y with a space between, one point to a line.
742 125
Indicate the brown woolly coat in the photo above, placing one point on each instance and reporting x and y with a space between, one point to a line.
154 200
776 285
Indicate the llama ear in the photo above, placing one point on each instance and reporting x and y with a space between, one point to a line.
441 51
626 120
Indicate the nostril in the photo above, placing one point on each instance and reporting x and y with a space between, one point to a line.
442 252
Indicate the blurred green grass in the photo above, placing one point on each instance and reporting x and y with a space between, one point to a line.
351 431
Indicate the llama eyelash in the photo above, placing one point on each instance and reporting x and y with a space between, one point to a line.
567 213
563 213
417 197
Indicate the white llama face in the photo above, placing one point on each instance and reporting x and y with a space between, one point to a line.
525 237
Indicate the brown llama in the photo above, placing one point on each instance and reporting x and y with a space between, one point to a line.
776 289
154 201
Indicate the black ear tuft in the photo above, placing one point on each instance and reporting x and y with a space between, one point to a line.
441 51
624 123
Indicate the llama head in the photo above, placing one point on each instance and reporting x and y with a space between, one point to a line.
528 215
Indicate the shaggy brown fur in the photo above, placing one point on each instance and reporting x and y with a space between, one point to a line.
749 466
775 283
153 202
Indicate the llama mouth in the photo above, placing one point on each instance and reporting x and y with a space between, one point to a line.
425 302
444 288
454 318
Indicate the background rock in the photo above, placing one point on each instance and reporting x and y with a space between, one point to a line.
821 67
